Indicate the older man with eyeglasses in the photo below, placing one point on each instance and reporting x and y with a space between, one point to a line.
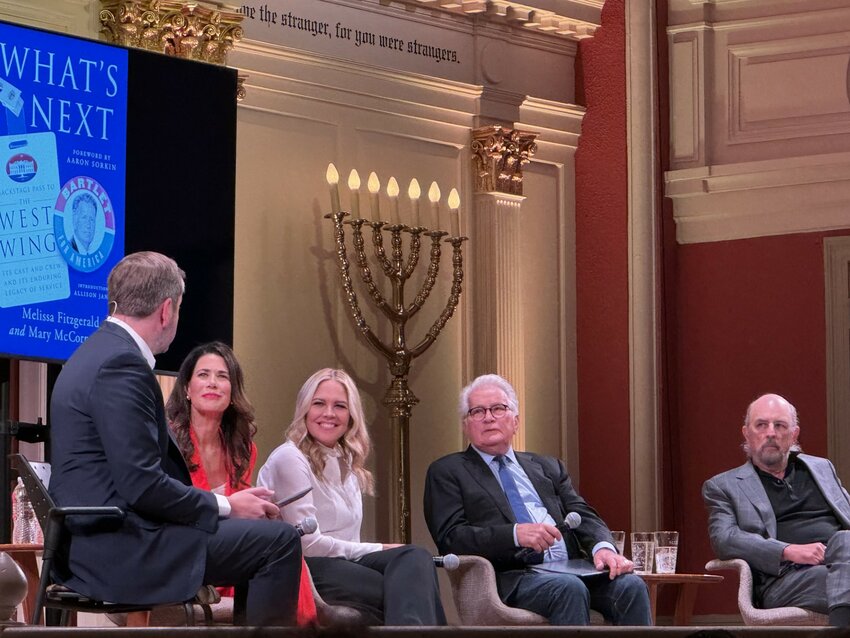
510 508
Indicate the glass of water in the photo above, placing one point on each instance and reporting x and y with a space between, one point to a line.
643 551
619 541
666 546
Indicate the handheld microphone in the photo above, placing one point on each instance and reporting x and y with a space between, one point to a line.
307 526
449 562
572 520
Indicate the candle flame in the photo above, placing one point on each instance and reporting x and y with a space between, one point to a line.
332 176
392 188
354 180
434 193
454 200
373 184
414 191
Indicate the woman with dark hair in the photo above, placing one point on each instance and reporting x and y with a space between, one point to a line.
213 422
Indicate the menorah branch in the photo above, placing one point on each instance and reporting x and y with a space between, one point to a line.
399 356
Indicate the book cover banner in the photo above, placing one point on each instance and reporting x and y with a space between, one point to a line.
63 123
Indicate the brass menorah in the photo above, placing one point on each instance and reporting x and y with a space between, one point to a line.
398 270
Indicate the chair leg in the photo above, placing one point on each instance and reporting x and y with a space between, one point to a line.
65 618
208 617
44 581
190 614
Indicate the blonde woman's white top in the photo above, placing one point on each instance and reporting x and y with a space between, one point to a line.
335 501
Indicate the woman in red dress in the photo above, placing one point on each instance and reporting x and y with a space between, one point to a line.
213 422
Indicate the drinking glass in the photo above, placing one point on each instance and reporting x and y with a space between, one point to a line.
643 551
619 541
666 546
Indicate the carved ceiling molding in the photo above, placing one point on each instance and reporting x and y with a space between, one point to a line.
204 31
498 155
512 13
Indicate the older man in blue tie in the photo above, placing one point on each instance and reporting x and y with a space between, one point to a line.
509 507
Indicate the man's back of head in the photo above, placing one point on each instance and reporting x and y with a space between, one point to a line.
142 281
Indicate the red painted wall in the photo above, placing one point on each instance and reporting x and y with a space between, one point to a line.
738 318
751 320
602 272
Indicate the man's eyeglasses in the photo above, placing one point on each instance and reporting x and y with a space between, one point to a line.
498 411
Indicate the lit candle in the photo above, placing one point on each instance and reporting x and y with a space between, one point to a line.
374 203
434 197
454 204
354 187
333 183
413 192
392 193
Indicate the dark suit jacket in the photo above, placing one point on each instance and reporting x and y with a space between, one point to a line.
741 522
111 446
468 513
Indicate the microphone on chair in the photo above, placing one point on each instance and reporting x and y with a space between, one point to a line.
449 562
307 526
572 520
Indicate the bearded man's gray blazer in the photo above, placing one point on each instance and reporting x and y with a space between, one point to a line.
741 522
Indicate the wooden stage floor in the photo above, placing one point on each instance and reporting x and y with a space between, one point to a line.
437 632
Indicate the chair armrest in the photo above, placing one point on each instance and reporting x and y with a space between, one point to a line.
751 614
82 510
56 519
476 596
745 581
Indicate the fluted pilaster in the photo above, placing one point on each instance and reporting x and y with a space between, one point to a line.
496 312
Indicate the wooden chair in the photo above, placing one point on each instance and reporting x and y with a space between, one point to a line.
755 616
477 599
55 596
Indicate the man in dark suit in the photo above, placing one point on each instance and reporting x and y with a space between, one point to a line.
507 506
111 446
786 514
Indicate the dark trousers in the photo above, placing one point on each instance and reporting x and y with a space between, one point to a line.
819 588
565 599
393 587
263 559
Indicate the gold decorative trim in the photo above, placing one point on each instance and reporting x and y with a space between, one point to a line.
241 92
516 14
204 31
498 154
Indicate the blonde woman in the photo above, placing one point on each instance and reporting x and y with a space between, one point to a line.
326 449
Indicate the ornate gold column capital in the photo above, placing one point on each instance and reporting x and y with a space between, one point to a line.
203 31
498 154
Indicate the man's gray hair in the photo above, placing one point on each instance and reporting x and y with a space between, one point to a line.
488 380
142 281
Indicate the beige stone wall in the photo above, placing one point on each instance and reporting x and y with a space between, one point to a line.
760 117
303 110
290 315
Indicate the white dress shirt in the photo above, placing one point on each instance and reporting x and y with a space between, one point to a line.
335 500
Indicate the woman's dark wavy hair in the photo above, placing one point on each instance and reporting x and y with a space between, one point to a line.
237 422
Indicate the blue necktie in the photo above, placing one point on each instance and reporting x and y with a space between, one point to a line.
512 491
529 556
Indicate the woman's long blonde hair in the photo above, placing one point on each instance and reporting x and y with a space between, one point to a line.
355 443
